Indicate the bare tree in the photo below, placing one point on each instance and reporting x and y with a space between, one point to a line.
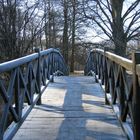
19 26
65 30
73 34
119 25
52 23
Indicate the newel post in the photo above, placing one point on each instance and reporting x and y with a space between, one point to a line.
136 96
95 64
52 68
106 76
38 76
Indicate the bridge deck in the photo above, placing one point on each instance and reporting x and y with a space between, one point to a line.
72 109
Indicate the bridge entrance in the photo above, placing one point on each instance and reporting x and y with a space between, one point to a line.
72 108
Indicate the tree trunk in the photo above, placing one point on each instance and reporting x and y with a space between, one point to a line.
120 40
73 37
65 32
120 46
54 32
46 25
119 37
49 24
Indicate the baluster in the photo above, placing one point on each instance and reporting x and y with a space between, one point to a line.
38 76
52 67
136 96
95 64
106 77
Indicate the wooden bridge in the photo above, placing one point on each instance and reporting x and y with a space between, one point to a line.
72 108
39 102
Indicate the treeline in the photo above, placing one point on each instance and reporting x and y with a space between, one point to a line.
26 24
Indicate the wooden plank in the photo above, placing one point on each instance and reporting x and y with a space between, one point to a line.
126 63
136 96
138 69
127 129
73 108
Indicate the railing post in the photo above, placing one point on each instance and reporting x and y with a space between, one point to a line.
38 76
52 78
136 96
52 68
95 65
106 77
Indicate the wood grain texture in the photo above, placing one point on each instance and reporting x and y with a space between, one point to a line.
72 108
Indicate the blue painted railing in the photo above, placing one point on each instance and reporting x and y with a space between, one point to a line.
89 67
22 82
120 79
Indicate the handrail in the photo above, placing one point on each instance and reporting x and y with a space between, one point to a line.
22 82
6 66
120 79
126 63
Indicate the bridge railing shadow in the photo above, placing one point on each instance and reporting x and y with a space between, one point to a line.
82 109
119 78
22 82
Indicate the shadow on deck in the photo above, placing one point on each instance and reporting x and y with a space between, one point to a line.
73 108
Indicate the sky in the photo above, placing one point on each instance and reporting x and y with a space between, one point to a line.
91 33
